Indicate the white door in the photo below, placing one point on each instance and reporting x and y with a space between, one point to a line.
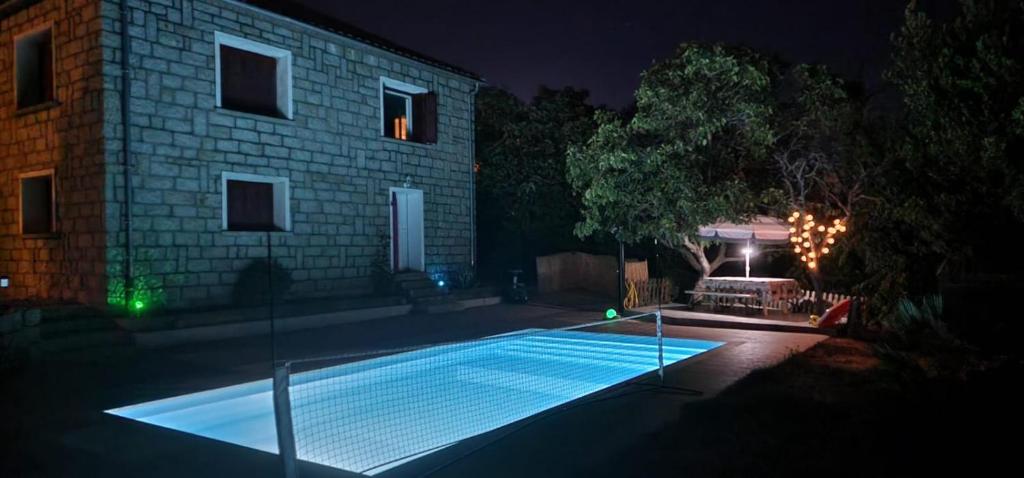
407 229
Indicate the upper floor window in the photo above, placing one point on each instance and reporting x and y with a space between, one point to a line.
253 77
37 202
33 68
408 112
255 203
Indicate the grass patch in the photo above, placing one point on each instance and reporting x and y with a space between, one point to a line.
842 409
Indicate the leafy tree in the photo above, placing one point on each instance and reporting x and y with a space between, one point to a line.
695 152
824 159
957 171
525 202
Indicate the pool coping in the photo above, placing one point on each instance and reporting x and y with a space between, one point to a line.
207 333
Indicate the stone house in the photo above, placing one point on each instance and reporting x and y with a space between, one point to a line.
245 117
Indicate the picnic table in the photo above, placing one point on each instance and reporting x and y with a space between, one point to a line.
767 290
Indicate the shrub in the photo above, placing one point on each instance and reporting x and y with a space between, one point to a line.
464 278
381 274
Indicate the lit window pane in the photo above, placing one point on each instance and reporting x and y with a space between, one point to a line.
396 114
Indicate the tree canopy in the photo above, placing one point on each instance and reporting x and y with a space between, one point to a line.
956 167
693 154
525 203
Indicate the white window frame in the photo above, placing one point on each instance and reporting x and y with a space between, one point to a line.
53 61
282 197
53 199
284 66
402 89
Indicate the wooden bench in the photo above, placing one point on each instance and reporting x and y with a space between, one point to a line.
694 293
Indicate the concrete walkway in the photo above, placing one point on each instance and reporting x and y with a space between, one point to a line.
54 425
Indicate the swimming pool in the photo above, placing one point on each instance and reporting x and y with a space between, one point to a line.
372 415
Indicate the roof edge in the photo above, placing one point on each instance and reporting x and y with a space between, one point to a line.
322 21
11 7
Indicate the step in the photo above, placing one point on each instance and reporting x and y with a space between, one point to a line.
409 276
437 307
416 294
419 284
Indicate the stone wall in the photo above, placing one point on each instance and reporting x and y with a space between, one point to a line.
67 266
339 166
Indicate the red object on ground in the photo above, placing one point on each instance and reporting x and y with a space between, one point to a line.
834 314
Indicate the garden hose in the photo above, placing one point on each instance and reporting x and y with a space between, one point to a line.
632 299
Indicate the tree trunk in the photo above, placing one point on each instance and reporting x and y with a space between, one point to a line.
819 304
695 254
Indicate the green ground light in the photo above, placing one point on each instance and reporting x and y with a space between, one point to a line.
610 314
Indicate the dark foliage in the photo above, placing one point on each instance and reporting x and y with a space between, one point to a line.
253 284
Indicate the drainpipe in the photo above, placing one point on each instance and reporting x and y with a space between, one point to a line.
126 157
472 179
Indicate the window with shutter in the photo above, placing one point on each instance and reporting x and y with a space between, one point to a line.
37 206
34 68
408 112
248 82
253 77
251 206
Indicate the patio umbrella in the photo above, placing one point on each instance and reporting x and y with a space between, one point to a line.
759 230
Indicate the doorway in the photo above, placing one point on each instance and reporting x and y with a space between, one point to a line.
407 230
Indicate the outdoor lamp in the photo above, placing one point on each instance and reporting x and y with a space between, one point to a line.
5 282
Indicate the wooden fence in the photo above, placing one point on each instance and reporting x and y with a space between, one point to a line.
808 295
649 292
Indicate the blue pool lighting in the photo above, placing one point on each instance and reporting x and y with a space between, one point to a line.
376 414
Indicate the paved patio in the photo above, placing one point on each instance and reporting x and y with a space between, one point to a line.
54 425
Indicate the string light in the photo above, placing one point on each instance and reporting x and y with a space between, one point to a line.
812 240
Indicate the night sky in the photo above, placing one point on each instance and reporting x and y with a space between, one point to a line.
604 45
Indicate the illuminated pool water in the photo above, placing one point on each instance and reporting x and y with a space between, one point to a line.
375 414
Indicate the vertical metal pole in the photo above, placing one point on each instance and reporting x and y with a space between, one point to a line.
746 253
661 354
283 421
622 276
270 308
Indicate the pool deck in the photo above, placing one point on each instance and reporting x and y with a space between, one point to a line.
54 423
679 315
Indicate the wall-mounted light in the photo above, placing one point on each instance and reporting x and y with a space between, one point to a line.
5 282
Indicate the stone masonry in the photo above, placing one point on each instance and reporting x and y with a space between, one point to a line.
339 167
65 136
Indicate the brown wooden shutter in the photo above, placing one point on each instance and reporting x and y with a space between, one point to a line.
251 206
424 117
